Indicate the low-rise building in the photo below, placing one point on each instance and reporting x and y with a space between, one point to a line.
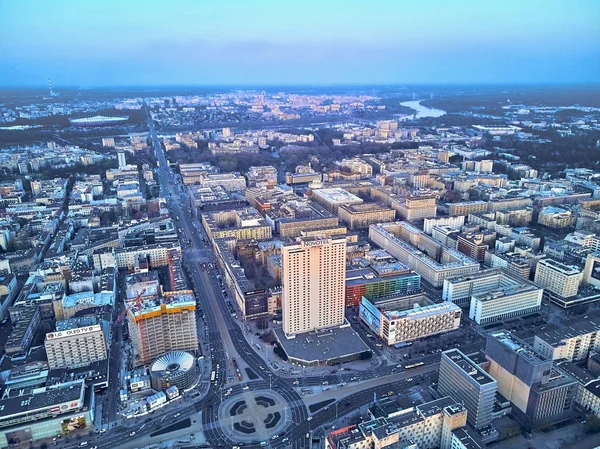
407 318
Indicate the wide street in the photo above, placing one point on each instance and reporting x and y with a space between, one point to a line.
224 339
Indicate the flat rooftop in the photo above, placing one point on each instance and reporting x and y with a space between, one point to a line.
468 366
322 346
557 334
337 195
40 399
364 208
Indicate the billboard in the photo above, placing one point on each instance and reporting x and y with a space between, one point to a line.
595 273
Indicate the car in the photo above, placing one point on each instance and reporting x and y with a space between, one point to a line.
94 447
410 379
246 387
308 435
309 418
274 437
132 434
177 415
296 382
285 440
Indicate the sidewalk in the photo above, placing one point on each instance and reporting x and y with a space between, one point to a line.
287 369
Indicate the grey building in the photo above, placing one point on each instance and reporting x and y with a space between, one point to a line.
466 382
540 392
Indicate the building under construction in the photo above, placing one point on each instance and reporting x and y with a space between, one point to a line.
158 326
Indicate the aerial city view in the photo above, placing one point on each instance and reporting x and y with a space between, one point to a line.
304 225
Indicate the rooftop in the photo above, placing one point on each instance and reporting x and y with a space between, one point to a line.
328 344
337 195
469 367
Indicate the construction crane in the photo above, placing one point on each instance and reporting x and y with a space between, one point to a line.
138 300
138 297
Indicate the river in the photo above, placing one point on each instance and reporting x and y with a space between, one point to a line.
422 111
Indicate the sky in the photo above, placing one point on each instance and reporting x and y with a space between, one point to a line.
96 43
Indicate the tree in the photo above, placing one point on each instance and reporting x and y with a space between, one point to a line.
592 424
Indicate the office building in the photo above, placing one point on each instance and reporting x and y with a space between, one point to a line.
156 255
164 325
379 283
313 278
464 381
290 217
108 142
591 272
242 224
408 318
395 424
357 165
573 341
555 217
333 198
415 208
76 347
33 414
361 216
121 157
558 278
541 393
461 289
454 223
413 248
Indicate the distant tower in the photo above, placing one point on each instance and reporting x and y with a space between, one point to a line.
50 87
431 96
122 162
414 96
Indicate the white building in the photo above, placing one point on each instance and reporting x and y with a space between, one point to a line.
455 223
313 284
77 347
396 323
558 278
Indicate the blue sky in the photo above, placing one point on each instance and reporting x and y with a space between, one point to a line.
203 42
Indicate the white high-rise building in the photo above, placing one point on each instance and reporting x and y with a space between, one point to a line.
558 278
122 161
313 278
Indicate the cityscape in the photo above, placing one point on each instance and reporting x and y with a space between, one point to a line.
264 249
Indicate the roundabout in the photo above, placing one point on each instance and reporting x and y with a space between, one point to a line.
253 415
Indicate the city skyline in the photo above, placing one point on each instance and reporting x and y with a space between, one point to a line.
266 43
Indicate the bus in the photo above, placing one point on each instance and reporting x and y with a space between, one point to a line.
212 376
414 365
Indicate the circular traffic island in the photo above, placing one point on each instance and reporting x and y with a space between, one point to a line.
253 415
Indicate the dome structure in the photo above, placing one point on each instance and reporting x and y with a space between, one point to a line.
176 368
